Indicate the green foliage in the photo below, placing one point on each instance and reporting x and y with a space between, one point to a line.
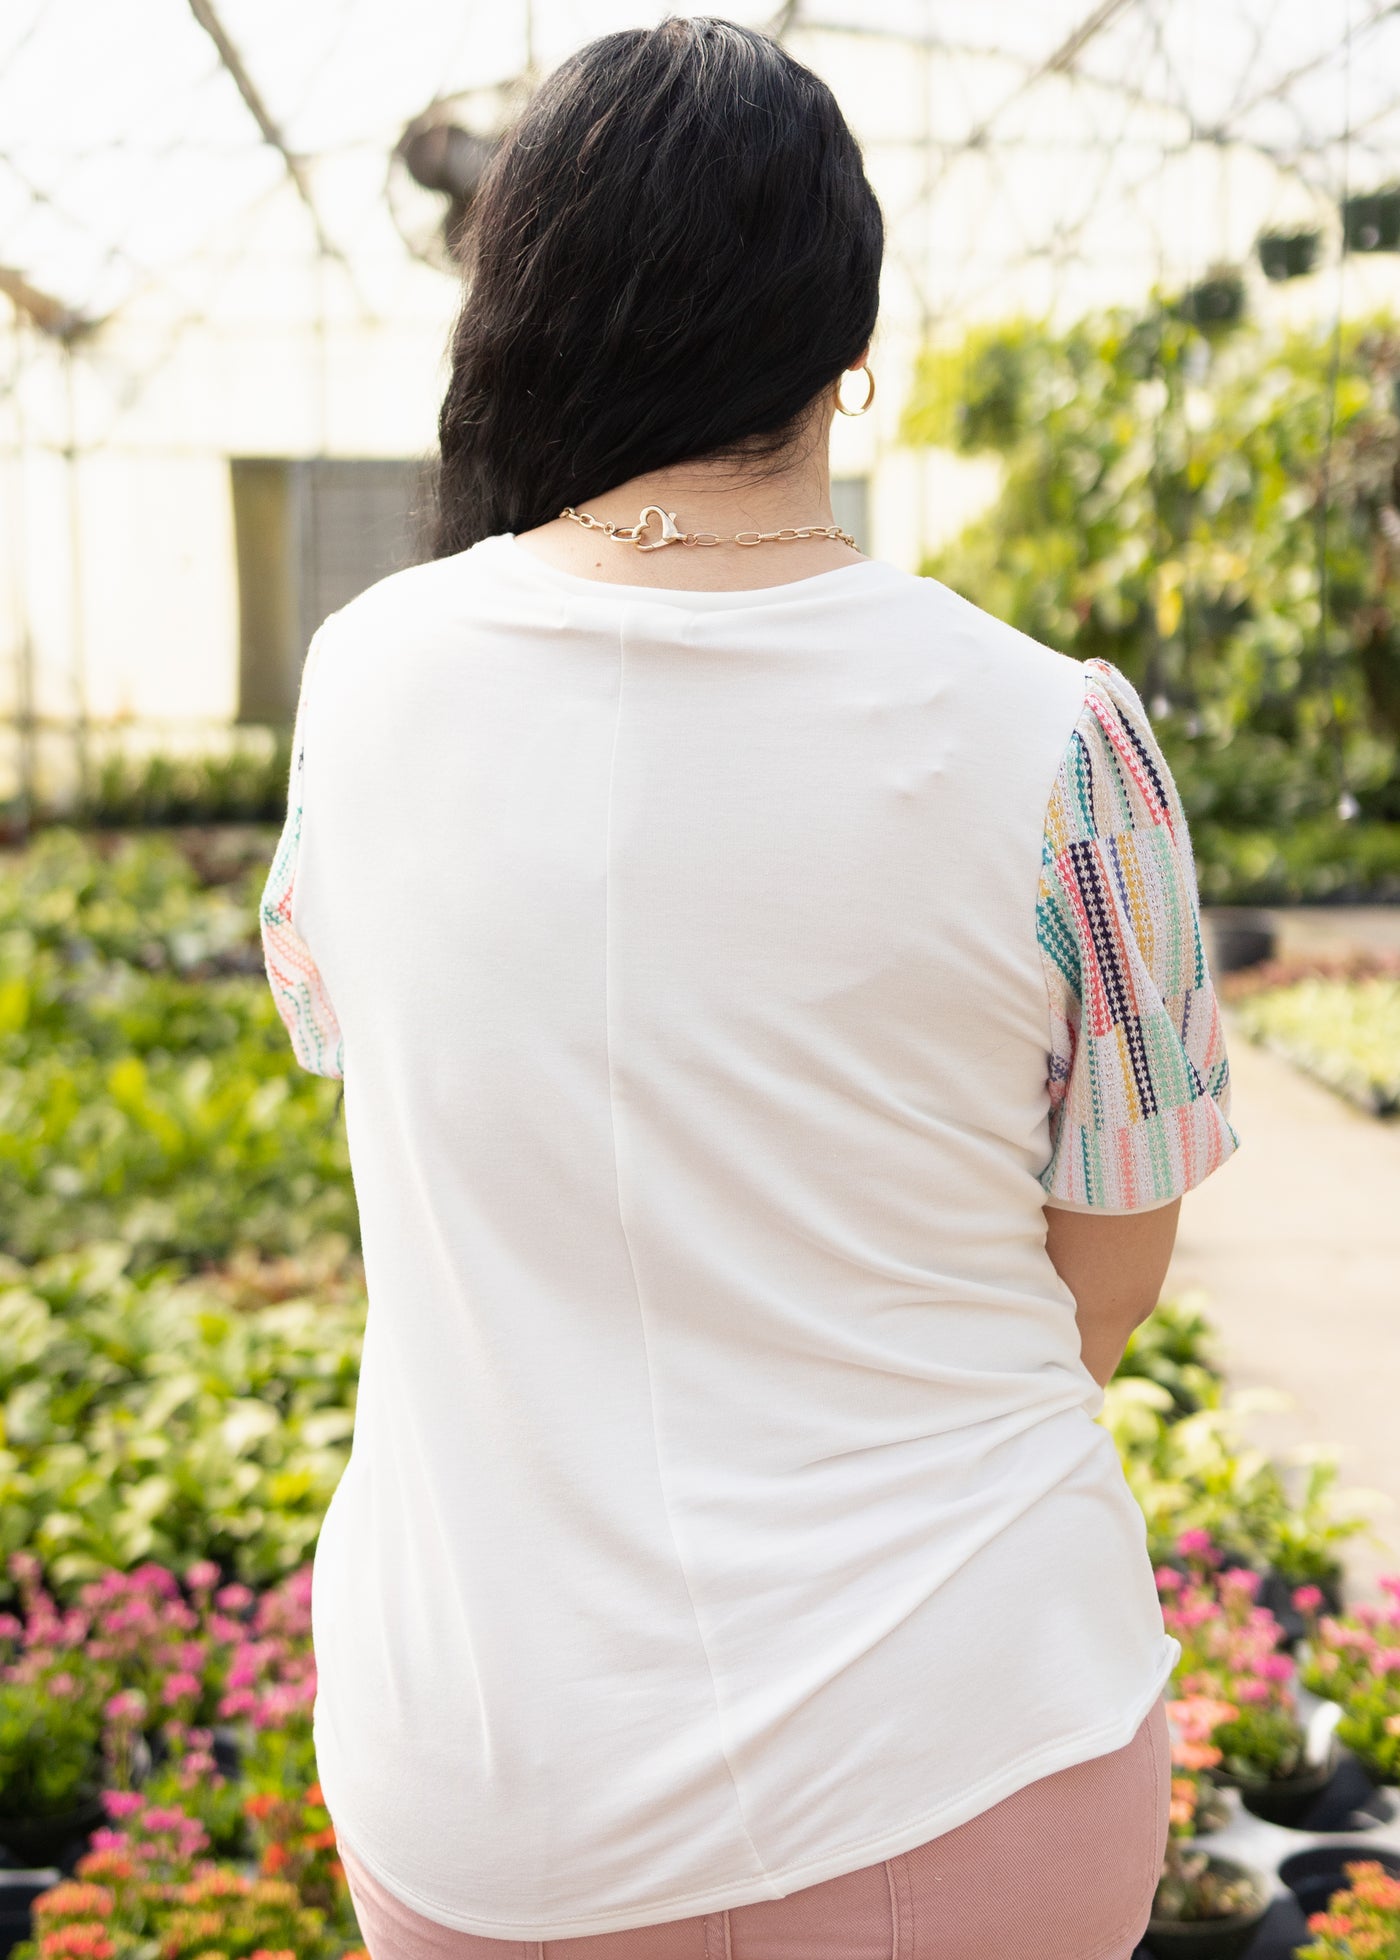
1345 1032
150 1417
48 1750
1173 1347
248 785
1170 499
1194 1473
146 1088
1315 859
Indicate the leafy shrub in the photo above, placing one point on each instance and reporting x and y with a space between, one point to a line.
1345 1032
249 784
147 1092
149 1417
1207 511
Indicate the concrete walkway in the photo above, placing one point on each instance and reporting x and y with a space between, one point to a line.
1296 1242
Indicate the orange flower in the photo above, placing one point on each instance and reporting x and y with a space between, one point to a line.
1195 1755
70 1901
275 1859
259 1804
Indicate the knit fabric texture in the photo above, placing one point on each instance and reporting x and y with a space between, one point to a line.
1139 1080
292 972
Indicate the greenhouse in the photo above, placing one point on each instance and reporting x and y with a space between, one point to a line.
1138 358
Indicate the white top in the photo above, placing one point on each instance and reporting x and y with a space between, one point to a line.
726 1510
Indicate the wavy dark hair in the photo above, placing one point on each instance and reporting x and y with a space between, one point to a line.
672 254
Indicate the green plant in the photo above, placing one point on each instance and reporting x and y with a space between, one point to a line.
1173 1348
1354 1658
50 1746
146 1089
1345 1032
249 784
1161 506
151 1417
1194 1473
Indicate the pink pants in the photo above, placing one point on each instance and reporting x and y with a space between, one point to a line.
1063 1869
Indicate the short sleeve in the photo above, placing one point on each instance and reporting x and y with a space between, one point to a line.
1138 1076
292 972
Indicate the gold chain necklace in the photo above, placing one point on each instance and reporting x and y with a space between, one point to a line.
671 533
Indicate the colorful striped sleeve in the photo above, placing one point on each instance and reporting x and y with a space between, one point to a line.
292 972
1138 1076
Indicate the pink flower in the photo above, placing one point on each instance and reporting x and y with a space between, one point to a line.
1387 1660
1251 1691
158 1819
1169 1580
1389 1582
202 1575
1276 1667
122 1803
1240 1579
233 1599
62 1685
180 1687
10 1627
1307 1599
128 1706
1197 1544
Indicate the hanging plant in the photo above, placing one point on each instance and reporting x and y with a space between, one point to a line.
1215 301
1371 221
1288 254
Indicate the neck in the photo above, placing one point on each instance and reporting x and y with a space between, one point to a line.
720 496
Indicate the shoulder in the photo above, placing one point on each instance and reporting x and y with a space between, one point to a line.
1021 680
418 593
1113 776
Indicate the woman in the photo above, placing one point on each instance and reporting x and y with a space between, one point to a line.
775 1039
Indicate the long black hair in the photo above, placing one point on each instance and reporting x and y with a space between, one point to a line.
674 251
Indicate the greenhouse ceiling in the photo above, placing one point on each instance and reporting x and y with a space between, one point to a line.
145 146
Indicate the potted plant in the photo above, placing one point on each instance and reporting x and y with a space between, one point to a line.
1231 1664
1354 1659
1349 1896
1206 1907
146 1889
50 1766
1288 254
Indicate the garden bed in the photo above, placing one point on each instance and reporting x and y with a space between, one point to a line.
1339 1021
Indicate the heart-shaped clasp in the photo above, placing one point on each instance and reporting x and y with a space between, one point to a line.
669 532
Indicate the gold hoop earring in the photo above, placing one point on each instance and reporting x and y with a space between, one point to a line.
869 393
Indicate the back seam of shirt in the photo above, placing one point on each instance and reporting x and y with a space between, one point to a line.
631 1262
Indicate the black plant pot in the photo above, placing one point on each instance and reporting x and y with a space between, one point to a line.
1288 1800
1313 1876
18 1891
57 1840
1239 936
1210 1939
1277 1592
